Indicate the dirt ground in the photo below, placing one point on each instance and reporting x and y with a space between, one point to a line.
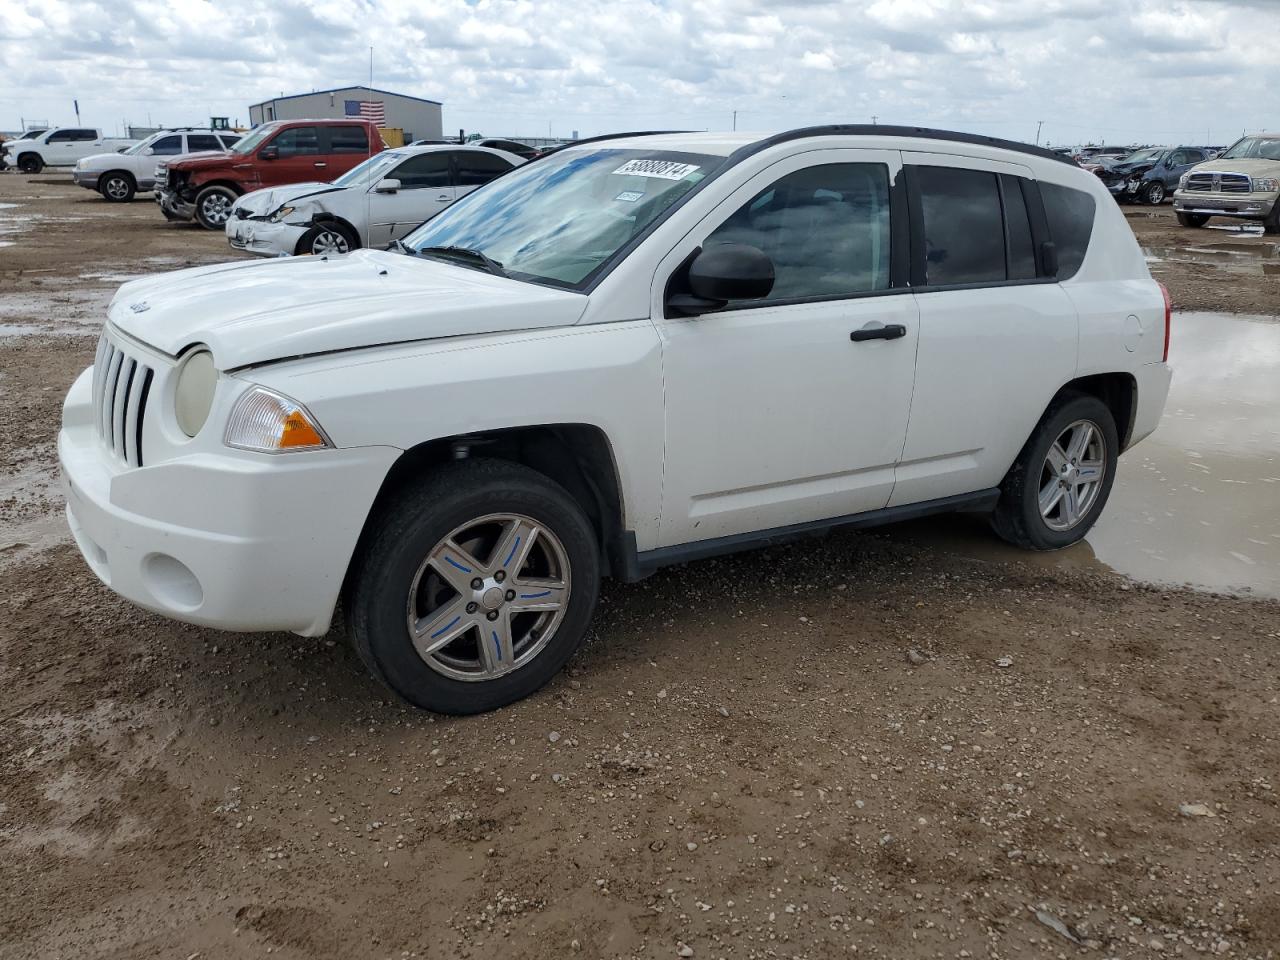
854 746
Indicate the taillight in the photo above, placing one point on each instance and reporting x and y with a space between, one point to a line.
1168 319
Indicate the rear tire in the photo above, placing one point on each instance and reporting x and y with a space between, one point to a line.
1046 501
213 206
1193 219
117 187
423 626
327 239
30 163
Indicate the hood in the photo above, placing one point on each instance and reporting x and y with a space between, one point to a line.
257 311
204 160
1253 166
258 202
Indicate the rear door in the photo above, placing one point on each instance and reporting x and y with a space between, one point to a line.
475 168
344 146
997 338
297 158
426 188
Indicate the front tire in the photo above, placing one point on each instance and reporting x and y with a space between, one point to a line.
1193 219
327 239
30 163
117 187
474 586
1153 193
213 206
1058 486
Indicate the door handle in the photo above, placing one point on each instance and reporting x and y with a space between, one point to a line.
443 198
319 164
890 331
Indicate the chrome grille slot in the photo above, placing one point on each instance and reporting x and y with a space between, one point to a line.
120 386
1219 182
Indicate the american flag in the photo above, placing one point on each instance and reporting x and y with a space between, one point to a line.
374 110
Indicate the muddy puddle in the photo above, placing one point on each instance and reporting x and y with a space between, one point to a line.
1238 254
1198 502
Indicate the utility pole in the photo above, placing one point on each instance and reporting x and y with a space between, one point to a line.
735 120
874 119
371 68
1039 124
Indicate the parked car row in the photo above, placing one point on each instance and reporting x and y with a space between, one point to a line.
119 176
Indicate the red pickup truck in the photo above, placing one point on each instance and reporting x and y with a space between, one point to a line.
204 187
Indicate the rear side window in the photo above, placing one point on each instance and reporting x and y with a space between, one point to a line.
297 142
826 229
85 135
203 141
963 228
476 168
424 170
348 140
167 146
1070 216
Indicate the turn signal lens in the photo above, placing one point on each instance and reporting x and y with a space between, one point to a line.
1168 320
269 422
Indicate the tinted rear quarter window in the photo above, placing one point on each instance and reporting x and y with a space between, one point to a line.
1070 216
963 228
475 168
348 140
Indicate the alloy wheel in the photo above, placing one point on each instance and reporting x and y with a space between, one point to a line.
488 597
216 208
329 241
1072 474
117 188
1155 193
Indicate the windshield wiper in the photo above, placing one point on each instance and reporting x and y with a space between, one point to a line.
478 257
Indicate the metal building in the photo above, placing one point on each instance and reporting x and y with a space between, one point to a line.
419 118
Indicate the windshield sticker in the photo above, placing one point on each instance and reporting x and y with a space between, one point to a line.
662 169
629 196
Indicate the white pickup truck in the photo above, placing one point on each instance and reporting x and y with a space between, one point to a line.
60 147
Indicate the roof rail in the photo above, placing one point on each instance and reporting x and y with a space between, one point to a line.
888 130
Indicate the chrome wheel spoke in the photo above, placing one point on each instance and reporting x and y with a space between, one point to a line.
441 627
534 595
455 565
1089 471
1057 458
1070 504
512 549
497 653
1080 442
1050 494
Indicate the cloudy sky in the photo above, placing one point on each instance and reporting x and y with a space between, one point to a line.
1160 71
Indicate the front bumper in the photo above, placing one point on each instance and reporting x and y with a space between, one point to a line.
1243 205
235 542
173 206
264 238
85 178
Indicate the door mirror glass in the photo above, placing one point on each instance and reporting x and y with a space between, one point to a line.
389 185
723 273
149 152
269 153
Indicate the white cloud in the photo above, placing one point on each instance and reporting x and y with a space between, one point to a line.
1088 68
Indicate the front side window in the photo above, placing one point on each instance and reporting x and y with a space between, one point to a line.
167 146
1070 216
351 139
297 142
61 136
963 228
476 169
826 229
561 219
426 170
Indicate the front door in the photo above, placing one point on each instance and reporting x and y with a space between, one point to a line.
792 408
425 190
297 158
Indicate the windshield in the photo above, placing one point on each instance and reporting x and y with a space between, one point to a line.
371 171
249 142
141 145
558 219
1142 155
1254 148
30 134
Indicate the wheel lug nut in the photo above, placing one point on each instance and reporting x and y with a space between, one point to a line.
477 583
472 607
492 614
500 575
511 594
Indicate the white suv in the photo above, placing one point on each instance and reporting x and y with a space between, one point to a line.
119 176
632 352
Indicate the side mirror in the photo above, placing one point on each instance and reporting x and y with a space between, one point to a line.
269 153
390 185
722 273
149 152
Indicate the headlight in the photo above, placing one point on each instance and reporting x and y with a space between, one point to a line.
280 214
193 395
1265 184
270 422
1182 180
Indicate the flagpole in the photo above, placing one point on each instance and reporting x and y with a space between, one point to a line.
371 68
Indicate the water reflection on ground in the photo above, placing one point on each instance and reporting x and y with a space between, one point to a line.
1199 501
